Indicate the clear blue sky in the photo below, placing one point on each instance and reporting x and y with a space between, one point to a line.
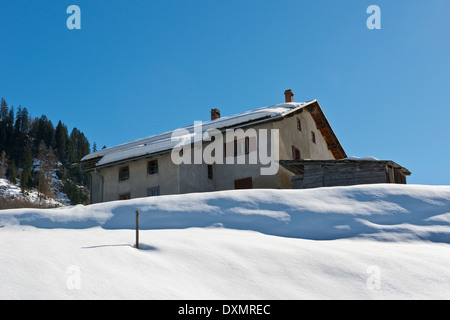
138 68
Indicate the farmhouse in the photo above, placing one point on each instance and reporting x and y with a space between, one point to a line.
151 166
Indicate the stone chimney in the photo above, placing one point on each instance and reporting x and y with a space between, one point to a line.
289 95
215 114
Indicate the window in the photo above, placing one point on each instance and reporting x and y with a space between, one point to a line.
152 167
296 153
313 136
299 125
124 196
210 171
124 173
247 145
237 147
240 147
153 191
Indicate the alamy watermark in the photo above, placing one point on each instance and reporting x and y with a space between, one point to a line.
374 20
374 280
74 20
73 281
235 146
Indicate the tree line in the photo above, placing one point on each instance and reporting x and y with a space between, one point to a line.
33 150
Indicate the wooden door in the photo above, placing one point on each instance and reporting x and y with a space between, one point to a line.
245 183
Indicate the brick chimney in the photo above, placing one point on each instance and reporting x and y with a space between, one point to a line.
215 114
289 95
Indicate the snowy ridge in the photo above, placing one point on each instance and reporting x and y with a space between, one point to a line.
375 211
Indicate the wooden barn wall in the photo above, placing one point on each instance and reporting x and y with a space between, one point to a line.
342 175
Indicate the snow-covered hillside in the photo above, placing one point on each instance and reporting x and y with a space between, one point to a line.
360 242
13 192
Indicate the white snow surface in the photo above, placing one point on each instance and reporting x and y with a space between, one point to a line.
379 241
162 142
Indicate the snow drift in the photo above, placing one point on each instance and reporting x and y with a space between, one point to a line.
397 212
360 242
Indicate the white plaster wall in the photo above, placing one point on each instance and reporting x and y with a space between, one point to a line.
138 182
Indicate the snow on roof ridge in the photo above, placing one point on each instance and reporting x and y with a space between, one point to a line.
367 158
162 141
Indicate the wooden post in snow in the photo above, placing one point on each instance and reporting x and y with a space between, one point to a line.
137 229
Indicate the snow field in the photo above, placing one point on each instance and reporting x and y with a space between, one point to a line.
361 242
214 263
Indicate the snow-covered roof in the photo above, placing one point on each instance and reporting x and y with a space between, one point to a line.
162 142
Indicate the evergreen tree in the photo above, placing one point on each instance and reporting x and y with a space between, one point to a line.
83 147
3 109
78 147
24 120
26 182
45 131
45 170
3 136
72 192
21 124
11 172
20 137
3 164
9 119
61 142
72 146
18 124
9 130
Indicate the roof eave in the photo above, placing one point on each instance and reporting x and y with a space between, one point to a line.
327 132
